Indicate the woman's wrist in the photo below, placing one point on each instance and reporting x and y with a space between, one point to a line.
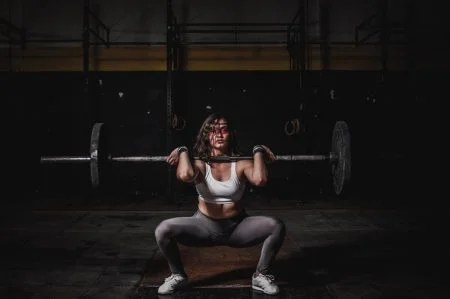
258 149
182 149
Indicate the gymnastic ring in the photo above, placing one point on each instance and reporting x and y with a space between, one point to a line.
183 121
174 121
291 132
297 125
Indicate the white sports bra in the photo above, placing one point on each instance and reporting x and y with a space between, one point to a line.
214 191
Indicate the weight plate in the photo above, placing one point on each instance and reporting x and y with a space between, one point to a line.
95 154
340 147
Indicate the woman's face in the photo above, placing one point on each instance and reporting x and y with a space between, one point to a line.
219 136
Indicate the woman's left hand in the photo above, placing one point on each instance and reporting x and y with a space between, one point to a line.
269 155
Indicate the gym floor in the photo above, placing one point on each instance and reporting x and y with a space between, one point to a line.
358 247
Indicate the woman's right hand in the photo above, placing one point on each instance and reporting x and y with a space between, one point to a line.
173 158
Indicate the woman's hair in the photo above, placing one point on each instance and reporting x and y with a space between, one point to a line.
202 147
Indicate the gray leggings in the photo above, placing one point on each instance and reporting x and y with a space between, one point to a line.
240 231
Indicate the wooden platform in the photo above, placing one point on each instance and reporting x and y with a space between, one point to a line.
223 266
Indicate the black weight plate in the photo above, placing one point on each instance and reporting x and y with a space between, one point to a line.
340 146
95 154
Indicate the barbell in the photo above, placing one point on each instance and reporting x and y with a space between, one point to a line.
339 156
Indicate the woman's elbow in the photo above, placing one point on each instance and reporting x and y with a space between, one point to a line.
185 177
260 182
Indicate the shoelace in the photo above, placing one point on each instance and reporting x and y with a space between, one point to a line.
172 278
269 277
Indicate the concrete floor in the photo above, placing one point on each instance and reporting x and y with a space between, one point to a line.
353 249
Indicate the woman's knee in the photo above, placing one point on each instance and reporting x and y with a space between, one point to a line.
163 230
278 226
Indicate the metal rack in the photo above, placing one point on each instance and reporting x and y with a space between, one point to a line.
290 34
88 17
379 24
13 35
293 35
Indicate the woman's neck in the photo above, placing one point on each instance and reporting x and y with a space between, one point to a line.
216 152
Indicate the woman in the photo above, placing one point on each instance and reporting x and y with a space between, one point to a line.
221 218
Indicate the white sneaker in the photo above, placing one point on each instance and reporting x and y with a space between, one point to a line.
172 283
265 284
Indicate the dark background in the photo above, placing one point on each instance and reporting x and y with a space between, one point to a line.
395 116
393 135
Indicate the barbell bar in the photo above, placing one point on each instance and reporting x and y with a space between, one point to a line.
339 157
140 159
143 159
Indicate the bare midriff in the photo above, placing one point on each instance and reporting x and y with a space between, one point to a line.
219 211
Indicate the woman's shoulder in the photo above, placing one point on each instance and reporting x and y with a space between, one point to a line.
242 164
199 164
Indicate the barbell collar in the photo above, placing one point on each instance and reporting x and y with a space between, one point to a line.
333 158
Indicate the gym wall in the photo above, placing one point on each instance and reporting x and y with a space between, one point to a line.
48 112
48 115
54 35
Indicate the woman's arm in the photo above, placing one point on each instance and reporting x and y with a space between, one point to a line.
185 172
256 171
